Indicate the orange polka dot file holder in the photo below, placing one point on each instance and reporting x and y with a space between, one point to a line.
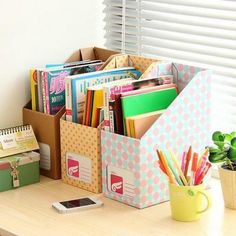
142 64
130 171
81 156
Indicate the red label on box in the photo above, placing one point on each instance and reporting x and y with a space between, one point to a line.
73 168
117 184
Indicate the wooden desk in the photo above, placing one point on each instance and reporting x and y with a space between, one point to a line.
27 211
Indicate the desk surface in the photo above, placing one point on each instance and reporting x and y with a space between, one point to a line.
27 211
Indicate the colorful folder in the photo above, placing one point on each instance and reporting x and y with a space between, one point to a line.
138 125
147 102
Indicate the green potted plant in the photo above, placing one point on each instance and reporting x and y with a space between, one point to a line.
224 151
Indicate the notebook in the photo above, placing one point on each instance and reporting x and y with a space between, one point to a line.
147 102
138 125
17 140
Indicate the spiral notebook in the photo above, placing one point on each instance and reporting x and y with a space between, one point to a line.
16 140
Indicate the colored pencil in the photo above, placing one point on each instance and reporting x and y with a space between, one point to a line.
194 168
178 168
203 174
183 161
188 159
205 153
163 159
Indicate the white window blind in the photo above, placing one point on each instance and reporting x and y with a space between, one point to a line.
200 32
122 25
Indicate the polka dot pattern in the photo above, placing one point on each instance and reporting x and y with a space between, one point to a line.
85 141
140 63
185 122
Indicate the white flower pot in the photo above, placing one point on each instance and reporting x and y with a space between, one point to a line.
228 185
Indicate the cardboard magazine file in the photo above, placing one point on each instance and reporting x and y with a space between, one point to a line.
47 127
47 131
130 172
143 64
92 53
81 156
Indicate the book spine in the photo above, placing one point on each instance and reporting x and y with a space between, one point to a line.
85 109
33 82
106 96
46 87
74 101
68 99
111 116
80 86
40 95
91 109
118 115
88 104
98 110
43 92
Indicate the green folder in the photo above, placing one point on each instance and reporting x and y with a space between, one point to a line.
147 102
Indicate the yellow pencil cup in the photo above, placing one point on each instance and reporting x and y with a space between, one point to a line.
187 202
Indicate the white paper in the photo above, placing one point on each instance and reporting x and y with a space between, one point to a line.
8 141
45 157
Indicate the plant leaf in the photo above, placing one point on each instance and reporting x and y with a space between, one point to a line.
217 136
233 134
227 138
220 144
217 157
232 153
233 142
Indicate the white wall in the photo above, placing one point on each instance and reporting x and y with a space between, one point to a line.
35 32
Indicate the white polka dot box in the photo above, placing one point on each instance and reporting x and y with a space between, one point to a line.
130 172
81 156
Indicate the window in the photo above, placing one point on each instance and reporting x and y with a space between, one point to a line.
200 32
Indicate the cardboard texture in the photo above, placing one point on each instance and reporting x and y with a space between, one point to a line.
92 53
142 64
130 172
47 127
47 131
81 156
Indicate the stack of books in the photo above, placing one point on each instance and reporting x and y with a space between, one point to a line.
48 85
119 100
128 106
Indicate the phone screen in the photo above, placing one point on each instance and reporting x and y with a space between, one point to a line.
78 203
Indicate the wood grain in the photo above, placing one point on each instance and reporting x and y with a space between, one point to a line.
27 211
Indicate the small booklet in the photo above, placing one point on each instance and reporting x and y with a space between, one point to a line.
17 140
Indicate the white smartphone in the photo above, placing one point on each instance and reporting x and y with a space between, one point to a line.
77 204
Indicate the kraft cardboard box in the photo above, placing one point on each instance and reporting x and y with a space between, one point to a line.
130 172
81 156
47 131
91 53
47 127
